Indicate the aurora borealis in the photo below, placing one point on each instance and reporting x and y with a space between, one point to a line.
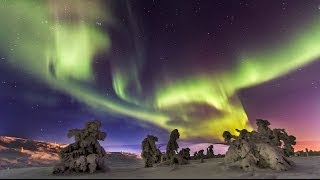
154 65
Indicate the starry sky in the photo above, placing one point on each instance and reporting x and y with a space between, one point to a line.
150 66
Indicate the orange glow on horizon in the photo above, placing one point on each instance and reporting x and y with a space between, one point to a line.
311 145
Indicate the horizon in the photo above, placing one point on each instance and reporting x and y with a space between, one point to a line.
136 148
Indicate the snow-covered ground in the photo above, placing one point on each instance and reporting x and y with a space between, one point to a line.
306 167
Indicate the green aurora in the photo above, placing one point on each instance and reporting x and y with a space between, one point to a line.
45 43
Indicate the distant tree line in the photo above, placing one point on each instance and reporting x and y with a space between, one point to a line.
307 153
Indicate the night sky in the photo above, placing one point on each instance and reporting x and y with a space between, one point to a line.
150 66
